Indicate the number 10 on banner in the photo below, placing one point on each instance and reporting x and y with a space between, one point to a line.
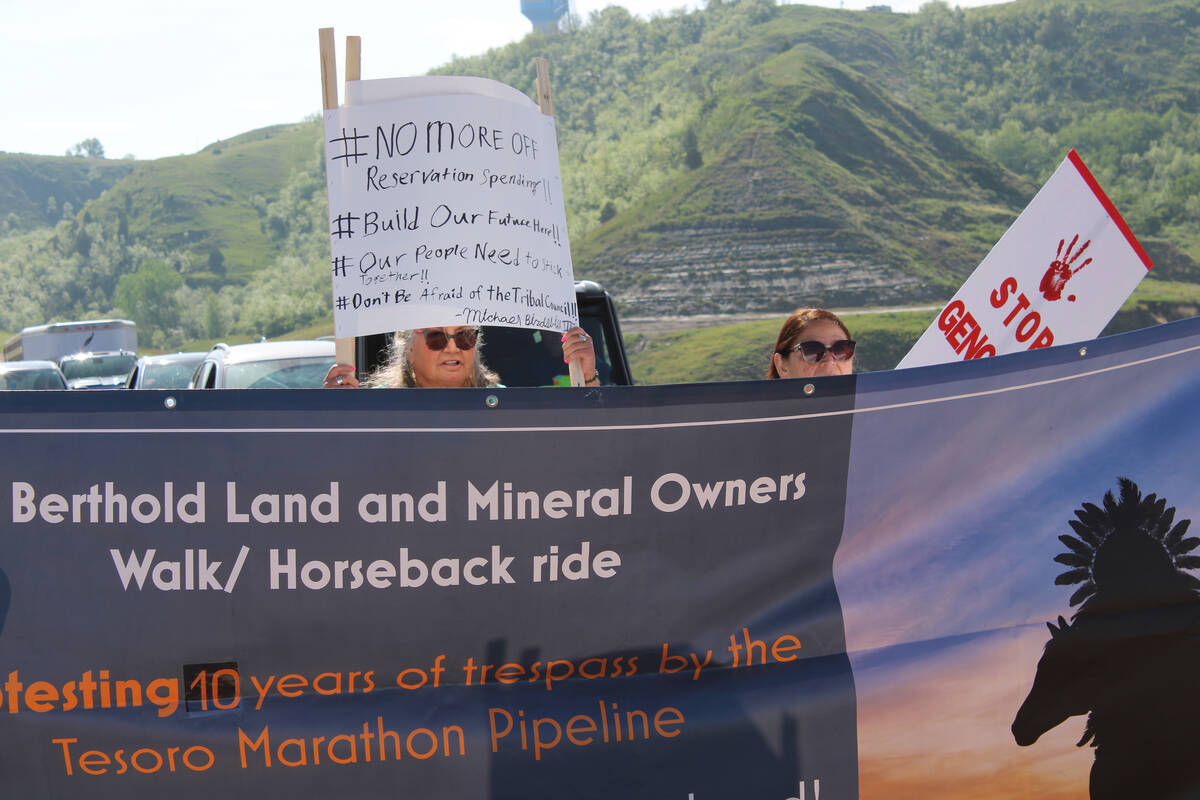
212 686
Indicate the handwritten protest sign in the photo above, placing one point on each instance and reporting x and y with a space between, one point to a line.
446 210
1056 276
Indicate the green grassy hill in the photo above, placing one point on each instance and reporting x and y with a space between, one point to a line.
754 156
830 192
747 156
213 205
35 190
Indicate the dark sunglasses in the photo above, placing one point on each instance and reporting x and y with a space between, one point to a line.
813 351
437 339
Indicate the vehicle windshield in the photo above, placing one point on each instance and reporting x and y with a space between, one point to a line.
31 379
97 366
524 357
170 374
284 373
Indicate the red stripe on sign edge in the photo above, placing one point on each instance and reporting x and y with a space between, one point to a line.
1094 185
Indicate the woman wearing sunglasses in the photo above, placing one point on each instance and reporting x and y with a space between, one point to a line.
447 358
811 343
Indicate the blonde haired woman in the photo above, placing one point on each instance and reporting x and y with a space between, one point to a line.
449 357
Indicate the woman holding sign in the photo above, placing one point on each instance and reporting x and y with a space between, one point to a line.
812 342
449 357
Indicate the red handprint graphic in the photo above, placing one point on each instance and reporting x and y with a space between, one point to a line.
1060 271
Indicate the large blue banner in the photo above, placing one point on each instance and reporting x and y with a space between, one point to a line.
768 590
602 594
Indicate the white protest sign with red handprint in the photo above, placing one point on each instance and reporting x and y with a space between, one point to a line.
1056 276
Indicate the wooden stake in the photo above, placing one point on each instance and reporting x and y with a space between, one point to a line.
545 102
353 59
546 106
329 97
344 347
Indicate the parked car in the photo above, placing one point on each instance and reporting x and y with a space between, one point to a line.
172 371
31 375
97 370
265 365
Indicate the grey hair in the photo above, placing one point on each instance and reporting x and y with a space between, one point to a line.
397 373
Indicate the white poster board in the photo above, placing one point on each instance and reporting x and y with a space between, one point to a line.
1056 276
445 209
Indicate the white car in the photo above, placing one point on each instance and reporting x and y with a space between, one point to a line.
31 375
171 371
265 365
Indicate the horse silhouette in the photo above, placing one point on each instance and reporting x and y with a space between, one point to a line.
1130 656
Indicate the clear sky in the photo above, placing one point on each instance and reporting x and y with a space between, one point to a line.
152 79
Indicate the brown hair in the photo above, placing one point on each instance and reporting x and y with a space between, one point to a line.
794 325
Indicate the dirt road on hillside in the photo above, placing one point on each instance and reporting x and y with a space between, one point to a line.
656 325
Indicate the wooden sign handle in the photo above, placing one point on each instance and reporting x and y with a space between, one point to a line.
546 105
353 60
545 102
344 347
329 97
